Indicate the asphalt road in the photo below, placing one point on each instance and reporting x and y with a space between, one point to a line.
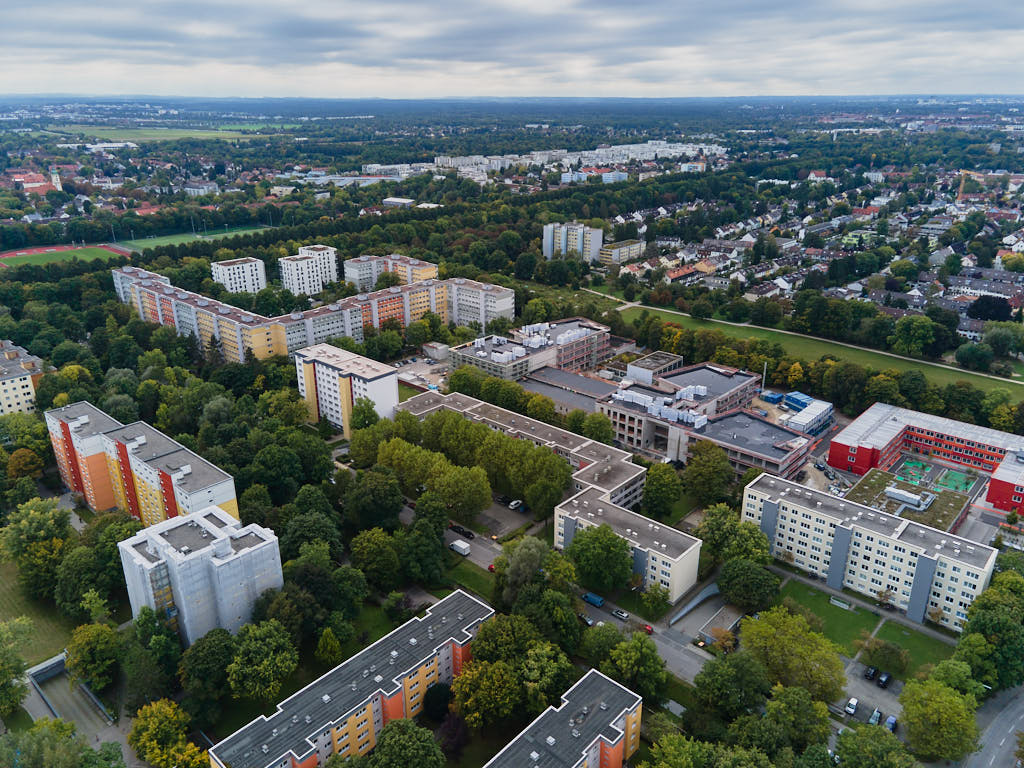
999 739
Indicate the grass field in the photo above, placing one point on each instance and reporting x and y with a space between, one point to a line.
923 649
811 349
146 134
153 242
82 254
405 392
18 722
51 631
940 514
842 627
472 577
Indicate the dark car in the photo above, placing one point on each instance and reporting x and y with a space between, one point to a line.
870 673
891 723
456 528
883 680
820 466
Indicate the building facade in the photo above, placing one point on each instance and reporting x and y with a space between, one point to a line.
344 711
246 275
621 252
201 572
363 271
310 270
562 239
134 467
19 374
927 573
331 380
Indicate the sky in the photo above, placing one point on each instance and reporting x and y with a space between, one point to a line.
452 48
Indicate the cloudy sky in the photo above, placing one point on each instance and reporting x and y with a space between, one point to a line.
425 48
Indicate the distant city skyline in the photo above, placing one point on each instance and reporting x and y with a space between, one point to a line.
401 49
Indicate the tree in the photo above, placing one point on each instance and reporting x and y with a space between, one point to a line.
748 542
877 652
55 744
309 526
24 463
794 655
636 664
437 700
542 496
264 657
747 585
574 420
518 566
504 637
76 573
363 414
546 674
373 553
602 558
732 685
911 335
203 673
158 734
465 489
403 744
717 529
791 719
14 633
453 736
872 746
328 650
655 600
598 427
486 692
35 521
37 566
939 721
423 553
974 357
662 489
707 472
374 499
957 675
994 308
92 655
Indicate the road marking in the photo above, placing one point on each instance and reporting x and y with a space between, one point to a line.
1003 741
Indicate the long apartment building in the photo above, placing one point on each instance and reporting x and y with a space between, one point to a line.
200 572
572 344
134 467
332 379
363 271
19 374
313 267
596 725
345 710
236 331
930 573
621 252
883 432
246 275
605 484
564 239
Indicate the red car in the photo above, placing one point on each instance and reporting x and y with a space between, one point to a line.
648 629
491 567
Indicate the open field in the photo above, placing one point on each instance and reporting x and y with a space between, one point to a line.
113 133
842 627
405 392
870 490
923 649
51 631
471 577
810 348
49 256
188 237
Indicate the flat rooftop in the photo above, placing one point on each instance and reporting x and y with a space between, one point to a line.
235 262
14 359
567 398
657 361
751 434
929 541
345 362
719 381
96 420
351 684
167 455
572 382
560 737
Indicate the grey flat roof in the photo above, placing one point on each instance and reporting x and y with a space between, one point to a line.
574 382
12 368
157 443
565 397
719 381
163 453
751 433
185 535
98 420
586 713
656 361
351 684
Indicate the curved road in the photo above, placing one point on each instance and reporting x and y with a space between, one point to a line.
999 739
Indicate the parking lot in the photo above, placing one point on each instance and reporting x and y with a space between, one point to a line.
424 371
870 695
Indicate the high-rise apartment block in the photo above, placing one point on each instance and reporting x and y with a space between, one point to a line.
344 711
563 239
621 252
201 572
310 270
134 467
246 275
332 379
237 332
363 271
929 573
19 373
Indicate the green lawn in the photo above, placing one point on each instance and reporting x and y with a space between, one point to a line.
51 631
82 254
609 291
922 648
405 391
809 348
633 603
682 506
19 721
374 622
146 134
153 242
483 745
841 626
472 577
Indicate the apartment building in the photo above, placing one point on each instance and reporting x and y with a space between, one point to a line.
313 267
134 467
562 239
246 275
596 725
472 302
332 379
200 572
572 344
621 252
363 271
343 711
930 573
19 374
878 436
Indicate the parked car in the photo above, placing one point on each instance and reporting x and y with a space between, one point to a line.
883 680
456 528
870 673
585 618
491 567
460 547
891 723
515 504
851 706
876 716
618 613
820 466
596 600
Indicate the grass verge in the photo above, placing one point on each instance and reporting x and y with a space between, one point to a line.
50 630
472 577
922 648
842 627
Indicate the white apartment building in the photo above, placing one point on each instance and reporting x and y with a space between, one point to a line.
19 372
332 379
930 573
201 572
246 275
578 238
470 301
363 271
310 270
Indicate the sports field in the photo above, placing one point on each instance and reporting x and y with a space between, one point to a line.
146 134
153 242
955 480
48 256
810 348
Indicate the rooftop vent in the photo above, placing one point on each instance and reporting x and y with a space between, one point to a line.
575 733
550 740
325 698
412 641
